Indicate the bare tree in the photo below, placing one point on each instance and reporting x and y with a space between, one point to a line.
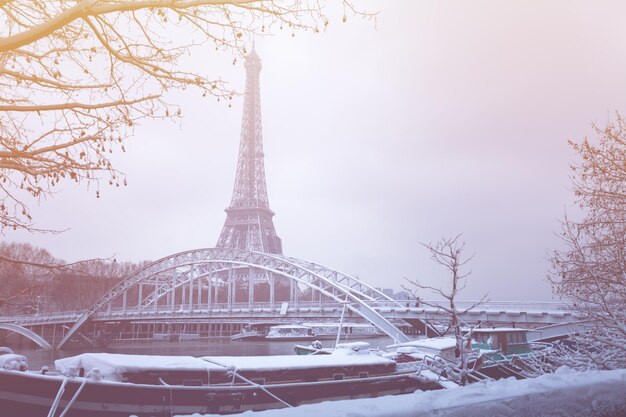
21 280
31 279
77 76
449 254
590 270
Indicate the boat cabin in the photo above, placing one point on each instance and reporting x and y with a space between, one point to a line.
505 340
444 347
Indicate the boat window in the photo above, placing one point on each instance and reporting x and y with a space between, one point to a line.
488 339
481 337
364 374
338 377
494 342
516 338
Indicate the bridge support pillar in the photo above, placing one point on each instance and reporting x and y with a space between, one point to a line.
272 290
183 295
155 305
250 288
191 294
172 296
209 284
216 292
230 289
199 300
140 296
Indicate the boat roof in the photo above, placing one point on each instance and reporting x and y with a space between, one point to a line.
434 343
499 330
353 345
284 362
114 365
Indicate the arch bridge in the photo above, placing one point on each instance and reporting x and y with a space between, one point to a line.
27 333
216 291
205 277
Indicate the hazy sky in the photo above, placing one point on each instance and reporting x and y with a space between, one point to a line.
445 117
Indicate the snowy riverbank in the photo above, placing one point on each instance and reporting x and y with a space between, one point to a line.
564 393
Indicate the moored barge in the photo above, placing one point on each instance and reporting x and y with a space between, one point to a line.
115 385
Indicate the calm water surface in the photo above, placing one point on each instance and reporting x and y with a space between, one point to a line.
211 347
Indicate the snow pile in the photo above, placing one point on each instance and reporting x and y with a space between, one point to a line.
291 362
433 343
11 361
564 393
113 365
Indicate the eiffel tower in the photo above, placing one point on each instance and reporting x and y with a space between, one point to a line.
249 223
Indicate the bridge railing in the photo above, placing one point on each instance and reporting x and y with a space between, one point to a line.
42 318
242 306
489 305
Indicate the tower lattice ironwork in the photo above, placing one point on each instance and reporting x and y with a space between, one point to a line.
249 223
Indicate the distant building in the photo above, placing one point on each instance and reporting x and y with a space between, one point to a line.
388 292
391 293
402 295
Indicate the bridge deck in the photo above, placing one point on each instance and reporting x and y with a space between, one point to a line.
496 312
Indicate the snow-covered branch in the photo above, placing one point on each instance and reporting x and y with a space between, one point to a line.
591 269
449 254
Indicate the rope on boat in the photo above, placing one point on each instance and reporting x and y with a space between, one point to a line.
55 403
165 384
264 389
73 400
236 374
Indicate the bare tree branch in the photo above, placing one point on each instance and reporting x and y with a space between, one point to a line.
590 270
449 254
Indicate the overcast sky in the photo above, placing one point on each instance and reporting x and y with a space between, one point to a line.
445 117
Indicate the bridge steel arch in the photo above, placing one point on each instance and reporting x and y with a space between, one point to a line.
29 334
186 267
350 283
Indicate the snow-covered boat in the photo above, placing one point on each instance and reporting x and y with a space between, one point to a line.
264 331
316 348
290 332
306 331
329 331
115 385
501 343
506 351
414 350
254 331
495 353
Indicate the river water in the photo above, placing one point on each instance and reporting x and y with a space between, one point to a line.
208 347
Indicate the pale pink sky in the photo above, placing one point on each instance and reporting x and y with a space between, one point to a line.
448 117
